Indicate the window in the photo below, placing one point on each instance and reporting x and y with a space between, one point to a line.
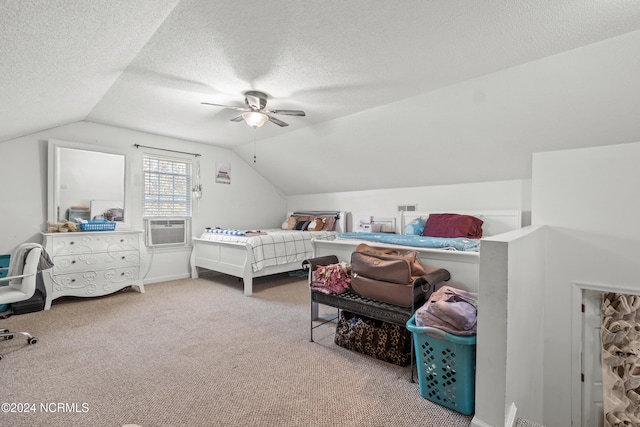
167 186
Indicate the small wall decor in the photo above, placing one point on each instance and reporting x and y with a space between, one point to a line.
223 173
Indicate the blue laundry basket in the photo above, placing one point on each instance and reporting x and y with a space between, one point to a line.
446 365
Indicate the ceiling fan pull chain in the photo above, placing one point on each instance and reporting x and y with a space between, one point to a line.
254 145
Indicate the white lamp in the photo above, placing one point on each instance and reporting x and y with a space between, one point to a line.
255 118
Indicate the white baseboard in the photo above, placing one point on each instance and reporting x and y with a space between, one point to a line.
475 422
167 278
509 421
510 416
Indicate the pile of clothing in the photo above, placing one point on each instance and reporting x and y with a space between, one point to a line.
332 278
451 310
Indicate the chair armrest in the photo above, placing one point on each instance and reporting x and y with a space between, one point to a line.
20 276
312 263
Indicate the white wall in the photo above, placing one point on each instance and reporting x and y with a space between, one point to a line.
525 327
248 202
509 353
479 130
496 195
590 202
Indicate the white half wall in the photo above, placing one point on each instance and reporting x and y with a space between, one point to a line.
589 200
509 356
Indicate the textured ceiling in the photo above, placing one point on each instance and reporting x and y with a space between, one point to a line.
148 64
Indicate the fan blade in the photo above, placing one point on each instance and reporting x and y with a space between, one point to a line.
288 112
278 122
237 119
225 106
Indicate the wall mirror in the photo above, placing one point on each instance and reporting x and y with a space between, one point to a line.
86 182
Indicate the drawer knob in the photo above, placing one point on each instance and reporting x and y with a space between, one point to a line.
73 262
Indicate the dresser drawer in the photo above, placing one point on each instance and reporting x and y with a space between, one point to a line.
94 282
95 261
76 243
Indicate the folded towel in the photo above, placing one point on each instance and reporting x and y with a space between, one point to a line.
235 232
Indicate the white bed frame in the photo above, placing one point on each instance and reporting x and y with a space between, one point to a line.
235 259
463 266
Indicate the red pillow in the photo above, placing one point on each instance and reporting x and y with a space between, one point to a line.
453 225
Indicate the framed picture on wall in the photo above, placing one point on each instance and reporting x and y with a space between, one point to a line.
223 173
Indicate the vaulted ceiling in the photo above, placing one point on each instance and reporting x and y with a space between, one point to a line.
147 65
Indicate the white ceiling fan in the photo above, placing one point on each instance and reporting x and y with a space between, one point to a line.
255 114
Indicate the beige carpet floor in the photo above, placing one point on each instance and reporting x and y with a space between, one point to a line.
199 353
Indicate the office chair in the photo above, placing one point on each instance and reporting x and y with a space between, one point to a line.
22 284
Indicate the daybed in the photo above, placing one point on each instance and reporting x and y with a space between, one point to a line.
247 255
463 265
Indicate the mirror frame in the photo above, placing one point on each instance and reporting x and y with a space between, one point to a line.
53 199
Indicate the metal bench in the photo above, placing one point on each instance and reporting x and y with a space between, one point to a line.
351 302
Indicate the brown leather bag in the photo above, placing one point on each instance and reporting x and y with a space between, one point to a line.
390 265
385 274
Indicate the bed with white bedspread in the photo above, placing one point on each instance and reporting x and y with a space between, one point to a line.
249 254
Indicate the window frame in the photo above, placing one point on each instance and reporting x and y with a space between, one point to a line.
177 197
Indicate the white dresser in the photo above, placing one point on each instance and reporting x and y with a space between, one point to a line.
90 264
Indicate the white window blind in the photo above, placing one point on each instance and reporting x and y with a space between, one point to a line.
167 186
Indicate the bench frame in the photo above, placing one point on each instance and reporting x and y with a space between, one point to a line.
351 302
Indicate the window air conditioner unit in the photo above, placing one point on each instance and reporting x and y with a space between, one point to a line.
167 231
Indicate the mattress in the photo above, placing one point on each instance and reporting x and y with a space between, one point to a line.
449 243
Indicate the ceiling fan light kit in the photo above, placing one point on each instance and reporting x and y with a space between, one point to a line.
255 113
255 118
